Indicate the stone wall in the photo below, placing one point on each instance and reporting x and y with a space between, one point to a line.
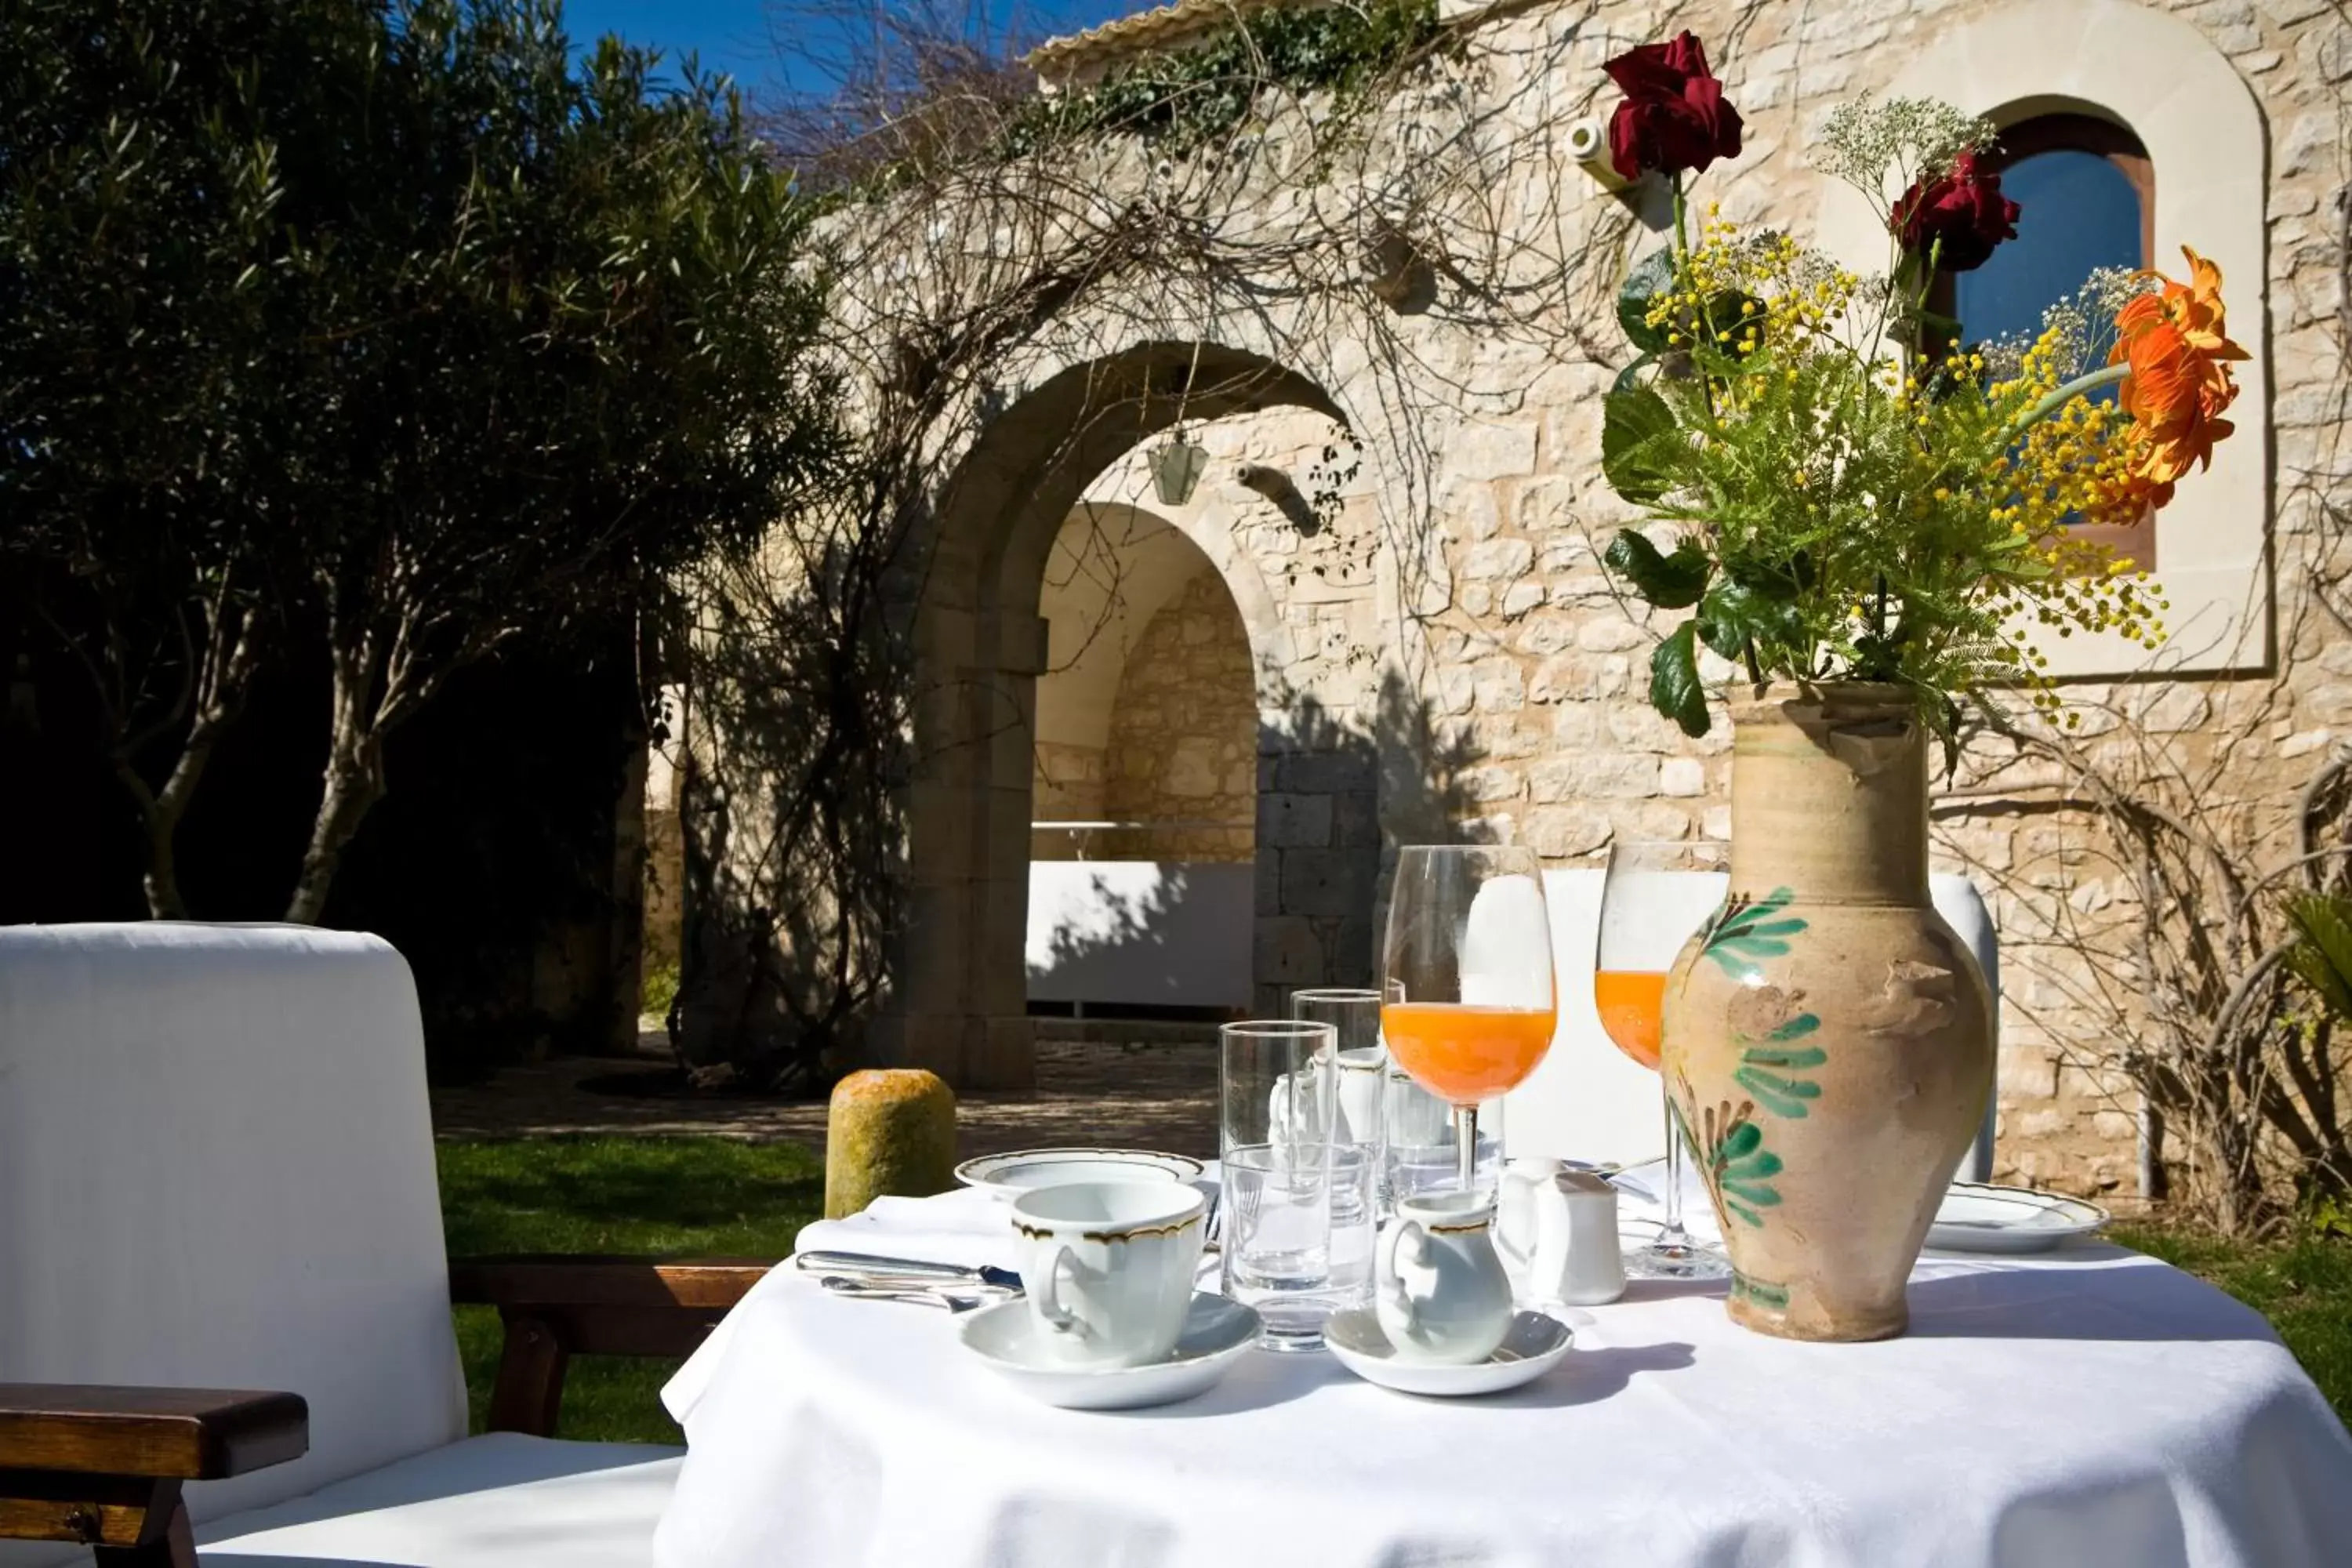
1438 651
1503 690
1183 736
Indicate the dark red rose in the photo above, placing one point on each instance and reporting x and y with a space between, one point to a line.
1673 117
1962 213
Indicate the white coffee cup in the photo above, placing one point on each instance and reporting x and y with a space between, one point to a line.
1108 1269
1439 1291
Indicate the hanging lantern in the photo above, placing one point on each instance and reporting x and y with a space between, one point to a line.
1176 468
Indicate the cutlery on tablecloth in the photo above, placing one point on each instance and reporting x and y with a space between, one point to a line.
870 1267
928 1296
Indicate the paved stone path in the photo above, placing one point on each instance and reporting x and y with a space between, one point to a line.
1156 1095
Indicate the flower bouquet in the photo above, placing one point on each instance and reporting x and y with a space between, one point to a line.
1863 494
1869 514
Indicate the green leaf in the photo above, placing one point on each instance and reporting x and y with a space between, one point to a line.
1788 1061
1756 1167
2322 956
1743 1139
1762 1195
1734 614
1781 1096
1669 582
1650 277
1631 377
1633 420
1675 689
1803 1024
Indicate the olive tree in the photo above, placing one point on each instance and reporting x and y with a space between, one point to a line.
487 340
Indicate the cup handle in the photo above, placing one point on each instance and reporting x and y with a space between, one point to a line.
1047 1298
1400 1297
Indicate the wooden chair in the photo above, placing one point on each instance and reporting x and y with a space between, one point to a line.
216 1175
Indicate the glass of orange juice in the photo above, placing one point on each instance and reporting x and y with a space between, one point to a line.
1651 899
1467 1004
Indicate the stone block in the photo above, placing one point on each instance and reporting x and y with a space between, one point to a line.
1005 1057
1603 775
1486 451
1287 821
1285 951
1355 821
1327 881
1564 833
1326 772
1682 776
1494 560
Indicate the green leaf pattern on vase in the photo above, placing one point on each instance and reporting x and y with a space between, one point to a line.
1737 1164
1746 929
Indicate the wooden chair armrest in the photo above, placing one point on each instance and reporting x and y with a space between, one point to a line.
103 1465
592 1281
554 1308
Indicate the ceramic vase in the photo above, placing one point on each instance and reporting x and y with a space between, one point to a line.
1828 1038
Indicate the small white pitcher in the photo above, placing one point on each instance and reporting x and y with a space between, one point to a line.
1441 1296
1556 1232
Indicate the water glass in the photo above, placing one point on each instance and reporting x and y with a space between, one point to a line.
1418 1151
1355 1019
1277 1083
1299 1234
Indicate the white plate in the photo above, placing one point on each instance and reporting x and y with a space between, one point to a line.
1532 1347
1025 1169
1217 1334
1974 1217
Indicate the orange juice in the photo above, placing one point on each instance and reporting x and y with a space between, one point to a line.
1463 1054
1632 1004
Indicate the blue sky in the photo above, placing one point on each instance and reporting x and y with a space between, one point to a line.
733 36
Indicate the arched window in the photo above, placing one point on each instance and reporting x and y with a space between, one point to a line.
2086 196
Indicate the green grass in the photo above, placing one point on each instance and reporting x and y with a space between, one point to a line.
2302 1284
710 1197
716 1197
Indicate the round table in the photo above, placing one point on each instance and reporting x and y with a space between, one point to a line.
2089 1407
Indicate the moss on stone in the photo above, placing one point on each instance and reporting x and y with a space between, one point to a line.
888 1133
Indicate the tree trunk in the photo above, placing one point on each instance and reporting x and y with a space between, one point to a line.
219 696
354 783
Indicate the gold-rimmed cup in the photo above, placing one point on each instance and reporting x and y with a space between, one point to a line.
1108 1269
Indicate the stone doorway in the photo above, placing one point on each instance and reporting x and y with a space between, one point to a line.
1145 780
961 1003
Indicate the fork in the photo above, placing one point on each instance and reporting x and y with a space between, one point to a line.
859 1290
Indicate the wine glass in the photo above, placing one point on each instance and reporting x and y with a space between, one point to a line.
1467 1004
1650 905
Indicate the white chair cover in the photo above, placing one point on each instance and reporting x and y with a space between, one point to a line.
216 1170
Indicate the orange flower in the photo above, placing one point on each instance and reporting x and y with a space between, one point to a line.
2177 346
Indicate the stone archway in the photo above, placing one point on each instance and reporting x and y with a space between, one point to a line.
959 1005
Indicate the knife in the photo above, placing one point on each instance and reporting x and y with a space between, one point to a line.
872 1266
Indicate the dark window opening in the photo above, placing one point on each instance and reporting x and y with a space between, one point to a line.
2086 193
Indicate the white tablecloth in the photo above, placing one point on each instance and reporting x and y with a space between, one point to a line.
2090 1407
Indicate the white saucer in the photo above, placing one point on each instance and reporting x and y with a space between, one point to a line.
1217 1334
1533 1347
1974 1217
1023 1170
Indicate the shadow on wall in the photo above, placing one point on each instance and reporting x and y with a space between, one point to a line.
792 808
1336 792
1306 913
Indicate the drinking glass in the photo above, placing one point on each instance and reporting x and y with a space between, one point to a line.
1277 1083
1649 908
1417 1148
1299 1236
1362 1062
1469 1006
